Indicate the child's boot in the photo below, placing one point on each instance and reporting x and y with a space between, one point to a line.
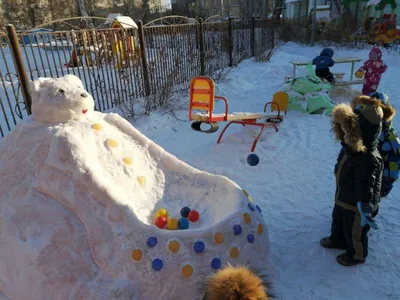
344 260
327 243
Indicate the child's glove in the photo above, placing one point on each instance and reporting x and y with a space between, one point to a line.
359 74
366 218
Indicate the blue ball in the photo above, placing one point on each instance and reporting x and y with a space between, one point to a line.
253 159
183 223
185 212
237 229
216 263
251 206
250 238
157 264
199 247
152 241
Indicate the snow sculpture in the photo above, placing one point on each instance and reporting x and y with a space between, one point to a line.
79 191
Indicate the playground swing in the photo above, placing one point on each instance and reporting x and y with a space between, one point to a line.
202 98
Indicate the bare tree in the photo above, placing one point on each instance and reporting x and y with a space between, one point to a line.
83 12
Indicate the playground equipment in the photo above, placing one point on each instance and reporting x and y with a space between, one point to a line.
384 30
120 43
125 47
202 97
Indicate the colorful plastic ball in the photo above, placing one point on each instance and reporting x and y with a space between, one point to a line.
258 208
199 247
162 213
172 223
161 222
251 206
157 264
193 216
250 238
253 159
237 229
183 223
185 212
216 263
152 241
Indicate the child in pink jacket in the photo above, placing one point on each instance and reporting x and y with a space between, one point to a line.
373 70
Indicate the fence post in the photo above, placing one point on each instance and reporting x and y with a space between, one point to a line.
230 42
253 36
20 67
144 58
202 53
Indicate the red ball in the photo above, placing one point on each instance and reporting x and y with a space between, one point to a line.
161 222
193 216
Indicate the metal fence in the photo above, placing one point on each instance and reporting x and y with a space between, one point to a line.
122 65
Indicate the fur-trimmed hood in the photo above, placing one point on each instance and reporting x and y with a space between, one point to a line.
358 125
236 283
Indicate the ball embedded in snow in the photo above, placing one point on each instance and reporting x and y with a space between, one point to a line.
193 216
185 212
160 222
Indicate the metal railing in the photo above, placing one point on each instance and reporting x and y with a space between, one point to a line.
124 65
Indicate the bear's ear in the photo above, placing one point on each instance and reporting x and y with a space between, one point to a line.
37 85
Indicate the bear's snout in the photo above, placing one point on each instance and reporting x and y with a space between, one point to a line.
84 95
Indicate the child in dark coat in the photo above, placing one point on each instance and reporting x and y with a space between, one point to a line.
322 64
372 69
358 172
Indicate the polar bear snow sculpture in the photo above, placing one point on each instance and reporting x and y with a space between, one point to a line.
79 190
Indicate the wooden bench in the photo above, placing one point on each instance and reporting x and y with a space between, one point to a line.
336 75
338 60
351 82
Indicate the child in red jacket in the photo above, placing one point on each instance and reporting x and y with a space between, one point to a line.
372 70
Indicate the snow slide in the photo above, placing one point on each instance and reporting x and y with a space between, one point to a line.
79 191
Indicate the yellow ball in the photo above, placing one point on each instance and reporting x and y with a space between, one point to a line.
246 218
260 229
187 271
161 213
219 238
174 246
142 180
137 254
172 223
127 160
97 126
112 143
234 253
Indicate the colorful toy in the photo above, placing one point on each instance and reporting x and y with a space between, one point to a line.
185 212
359 74
161 221
253 159
172 223
193 215
183 223
202 98
162 213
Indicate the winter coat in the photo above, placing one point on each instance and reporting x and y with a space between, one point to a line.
374 67
359 166
324 60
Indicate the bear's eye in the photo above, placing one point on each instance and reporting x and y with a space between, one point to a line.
61 91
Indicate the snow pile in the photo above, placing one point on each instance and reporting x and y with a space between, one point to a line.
79 194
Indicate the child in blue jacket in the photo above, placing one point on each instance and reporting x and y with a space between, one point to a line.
322 64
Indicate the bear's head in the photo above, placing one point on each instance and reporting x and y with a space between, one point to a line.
58 100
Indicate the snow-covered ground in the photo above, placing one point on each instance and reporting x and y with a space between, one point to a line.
294 181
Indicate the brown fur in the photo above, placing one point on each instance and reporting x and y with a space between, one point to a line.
388 110
233 283
346 128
